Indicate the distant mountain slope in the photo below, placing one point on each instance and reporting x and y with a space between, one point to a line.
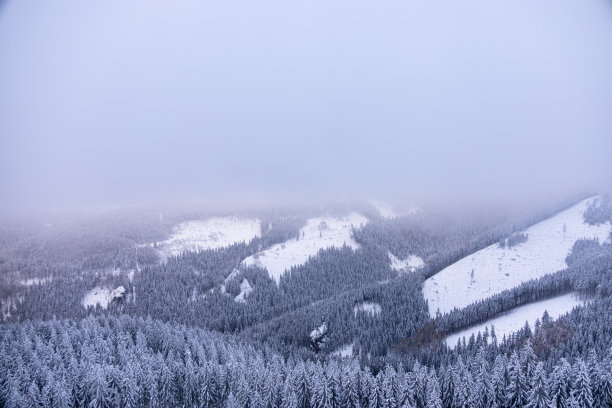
495 268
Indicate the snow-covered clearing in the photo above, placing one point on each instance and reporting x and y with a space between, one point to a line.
216 232
367 307
245 289
515 320
344 351
410 264
318 233
102 296
494 269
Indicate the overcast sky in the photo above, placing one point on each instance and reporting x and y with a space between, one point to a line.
110 102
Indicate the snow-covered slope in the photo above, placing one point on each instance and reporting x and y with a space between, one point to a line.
515 320
216 232
102 296
318 233
495 269
410 264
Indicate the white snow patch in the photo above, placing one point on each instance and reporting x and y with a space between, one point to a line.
245 289
118 293
410 264
34 281
494 269
515 319
368 307
344 351
319 332
216 232
318 233
102 296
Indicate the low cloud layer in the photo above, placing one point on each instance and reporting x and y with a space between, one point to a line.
151 101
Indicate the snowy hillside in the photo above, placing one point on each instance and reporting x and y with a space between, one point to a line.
216 232
318 233
410 264
495 269
515 320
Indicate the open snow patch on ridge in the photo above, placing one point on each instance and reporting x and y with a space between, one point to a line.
102 296
410 264
211 233
245 289
367 307
318 233
494 269
515 319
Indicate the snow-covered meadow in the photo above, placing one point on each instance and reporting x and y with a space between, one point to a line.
495 269
211 233
515 319
318 233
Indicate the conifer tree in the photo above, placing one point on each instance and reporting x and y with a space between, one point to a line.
582 391
517 387
538 394
433 399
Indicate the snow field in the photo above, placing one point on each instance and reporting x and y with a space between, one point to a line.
515 319
215 232
494 269
318 233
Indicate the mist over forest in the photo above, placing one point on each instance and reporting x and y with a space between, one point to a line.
319 205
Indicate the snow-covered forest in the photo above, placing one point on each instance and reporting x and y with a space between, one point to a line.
121 321
315 204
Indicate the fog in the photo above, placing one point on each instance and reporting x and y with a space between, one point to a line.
139 102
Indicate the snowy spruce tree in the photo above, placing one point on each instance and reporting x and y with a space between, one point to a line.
582 392
516 392
538 394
